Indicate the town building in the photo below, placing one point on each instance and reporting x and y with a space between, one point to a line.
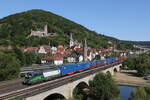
52 60
74 43
44 49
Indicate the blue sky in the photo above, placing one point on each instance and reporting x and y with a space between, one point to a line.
123 19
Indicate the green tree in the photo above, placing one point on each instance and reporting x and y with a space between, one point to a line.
141 93
97 57
103 88
131 63
28 58
19 55
31 57
9 66
140 63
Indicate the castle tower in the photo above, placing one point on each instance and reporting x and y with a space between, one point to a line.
45 30
71 40
85 50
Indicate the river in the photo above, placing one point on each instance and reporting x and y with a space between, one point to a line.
125 92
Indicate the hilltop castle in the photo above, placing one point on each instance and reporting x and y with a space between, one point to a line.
43 33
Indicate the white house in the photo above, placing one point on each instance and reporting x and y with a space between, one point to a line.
58 62
44 49
52 60
71 59
80 58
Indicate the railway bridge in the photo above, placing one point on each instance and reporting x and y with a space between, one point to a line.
66 90
62 87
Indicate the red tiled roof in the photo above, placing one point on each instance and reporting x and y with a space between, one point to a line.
52 58
10 47
60 46
29 49
47 48
1 47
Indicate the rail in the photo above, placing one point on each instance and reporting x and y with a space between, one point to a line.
39 88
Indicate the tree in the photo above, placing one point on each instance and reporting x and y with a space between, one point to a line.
31 57
103 88
140 63
97 57
28 58
19 55
9 66
131 63
141 93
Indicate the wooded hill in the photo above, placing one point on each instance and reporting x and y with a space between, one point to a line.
141 43
15 30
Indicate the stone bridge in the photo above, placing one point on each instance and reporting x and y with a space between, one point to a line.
66 91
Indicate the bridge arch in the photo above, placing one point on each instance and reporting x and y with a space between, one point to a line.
115 70
55 96
81 90
108 72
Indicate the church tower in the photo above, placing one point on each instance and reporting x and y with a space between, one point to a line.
45 30
85 50
71 40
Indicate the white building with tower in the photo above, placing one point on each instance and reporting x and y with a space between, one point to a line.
74 43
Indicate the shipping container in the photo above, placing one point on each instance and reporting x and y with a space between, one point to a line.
110 60
82 66
49 73
67 69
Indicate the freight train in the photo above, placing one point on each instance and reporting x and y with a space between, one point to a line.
46 75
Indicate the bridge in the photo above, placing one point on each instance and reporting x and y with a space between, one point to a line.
62 87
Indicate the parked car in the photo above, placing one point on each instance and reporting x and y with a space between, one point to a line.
147 78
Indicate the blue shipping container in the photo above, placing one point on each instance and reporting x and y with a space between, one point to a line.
67 68
82 66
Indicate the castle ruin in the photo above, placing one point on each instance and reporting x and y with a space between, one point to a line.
43 33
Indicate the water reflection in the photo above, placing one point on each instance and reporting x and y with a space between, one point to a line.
125 92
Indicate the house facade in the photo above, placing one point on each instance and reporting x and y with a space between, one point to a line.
52 60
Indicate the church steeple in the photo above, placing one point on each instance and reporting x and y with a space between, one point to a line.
46 29
71 40
85 50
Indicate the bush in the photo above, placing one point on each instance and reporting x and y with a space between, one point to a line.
141 93
9 66
102 87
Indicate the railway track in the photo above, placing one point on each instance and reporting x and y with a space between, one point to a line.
13 87
35 89
8 86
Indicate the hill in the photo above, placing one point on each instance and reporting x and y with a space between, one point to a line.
15 29
140 43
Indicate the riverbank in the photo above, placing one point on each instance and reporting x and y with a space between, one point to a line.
128 78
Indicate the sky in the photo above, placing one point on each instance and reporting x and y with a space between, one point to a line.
123 19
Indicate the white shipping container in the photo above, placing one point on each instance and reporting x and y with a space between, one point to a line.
51 73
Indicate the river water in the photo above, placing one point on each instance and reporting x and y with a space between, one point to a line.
125 92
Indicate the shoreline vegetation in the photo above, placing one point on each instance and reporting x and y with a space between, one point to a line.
128 78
